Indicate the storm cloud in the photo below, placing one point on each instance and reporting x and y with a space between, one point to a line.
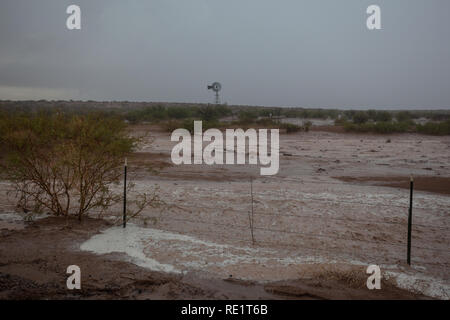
279 53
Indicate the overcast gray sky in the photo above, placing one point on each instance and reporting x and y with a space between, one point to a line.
264 52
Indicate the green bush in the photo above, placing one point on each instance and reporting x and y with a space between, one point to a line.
307 125
403 116
360 117
382 116
248 116
310 113
268 112
383 127
64 164
179 113
188 124
435 128
290 127
149 114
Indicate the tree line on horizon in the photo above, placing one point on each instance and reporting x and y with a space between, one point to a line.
173 114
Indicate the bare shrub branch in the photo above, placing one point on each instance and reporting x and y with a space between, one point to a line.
66 165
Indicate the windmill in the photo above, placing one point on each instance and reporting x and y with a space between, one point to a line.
216 87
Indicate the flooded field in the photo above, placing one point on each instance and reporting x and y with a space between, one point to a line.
305 215
338 203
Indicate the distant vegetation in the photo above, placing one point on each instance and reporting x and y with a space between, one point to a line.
437 123
380 127
243 124
161 112
439 128
182 115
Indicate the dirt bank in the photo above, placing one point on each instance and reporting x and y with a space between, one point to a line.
33 261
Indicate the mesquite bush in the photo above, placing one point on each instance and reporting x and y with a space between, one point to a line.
65 165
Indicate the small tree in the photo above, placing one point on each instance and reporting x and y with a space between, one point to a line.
360 117
65 165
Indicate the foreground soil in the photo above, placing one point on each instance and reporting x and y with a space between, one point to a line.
34 259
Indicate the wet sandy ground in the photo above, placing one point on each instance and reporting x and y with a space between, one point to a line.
33 263
306 214
307 219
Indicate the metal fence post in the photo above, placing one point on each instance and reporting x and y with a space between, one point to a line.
125 195
411 187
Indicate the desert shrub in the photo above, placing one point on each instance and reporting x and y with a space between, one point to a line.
382 116
310 113
374 115
382 127
248 116
389 127
435 128
65 165
149 114
222 110
158 112
360 117
321 114
264 122
188 124
340 121
371 114
291 113
351 127
269 112
439 116
307 125
403 116
172 125
178 112
134 116
290 127
348 114
210 112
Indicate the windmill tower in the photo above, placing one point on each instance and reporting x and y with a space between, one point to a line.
216 87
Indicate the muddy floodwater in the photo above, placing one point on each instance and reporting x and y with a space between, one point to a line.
308 214
338 199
